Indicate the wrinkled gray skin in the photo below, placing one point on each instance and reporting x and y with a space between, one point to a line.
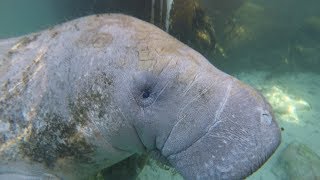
86 94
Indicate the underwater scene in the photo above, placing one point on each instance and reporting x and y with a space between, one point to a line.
271 45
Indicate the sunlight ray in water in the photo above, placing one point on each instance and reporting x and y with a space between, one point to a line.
286 106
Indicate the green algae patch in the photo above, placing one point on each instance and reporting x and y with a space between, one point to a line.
190 24
85 102
57 138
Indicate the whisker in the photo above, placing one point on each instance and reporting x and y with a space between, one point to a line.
133 127
162 71
180 112
217 115
161 91
222 106
190 85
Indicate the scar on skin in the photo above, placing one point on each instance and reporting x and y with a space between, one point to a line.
102 39
54 34
22 43
99 40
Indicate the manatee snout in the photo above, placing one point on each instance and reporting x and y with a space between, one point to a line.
237 136
207 124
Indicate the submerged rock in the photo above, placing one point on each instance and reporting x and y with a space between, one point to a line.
298 162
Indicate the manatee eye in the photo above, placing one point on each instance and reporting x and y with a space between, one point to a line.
146 94
144 89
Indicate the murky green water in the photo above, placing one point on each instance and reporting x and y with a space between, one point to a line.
272 45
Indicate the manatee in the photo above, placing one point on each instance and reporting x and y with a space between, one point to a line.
86 94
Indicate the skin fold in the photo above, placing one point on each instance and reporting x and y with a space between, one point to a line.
84 95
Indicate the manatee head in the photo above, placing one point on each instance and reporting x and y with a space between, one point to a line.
207 124
204 122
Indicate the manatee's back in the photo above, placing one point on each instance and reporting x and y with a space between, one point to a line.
5 46
38 75
29 74
28 70
18 67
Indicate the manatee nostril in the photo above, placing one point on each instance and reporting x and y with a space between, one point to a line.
266 118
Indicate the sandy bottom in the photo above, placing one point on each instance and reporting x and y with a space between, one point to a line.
295 98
